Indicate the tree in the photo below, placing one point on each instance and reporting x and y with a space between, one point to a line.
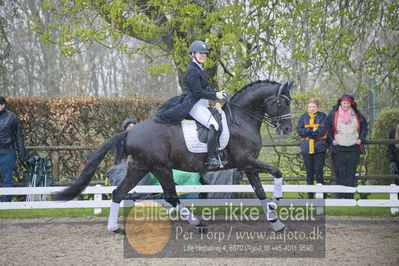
31 66
5 46
313 42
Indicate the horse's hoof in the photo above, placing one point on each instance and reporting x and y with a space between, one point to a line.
278 226
119 231
202 229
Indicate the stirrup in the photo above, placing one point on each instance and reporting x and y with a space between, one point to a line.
213 163
220 157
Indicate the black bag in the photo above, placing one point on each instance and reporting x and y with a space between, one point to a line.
37 172
222 177
117 173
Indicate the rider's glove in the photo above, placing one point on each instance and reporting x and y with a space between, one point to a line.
221 95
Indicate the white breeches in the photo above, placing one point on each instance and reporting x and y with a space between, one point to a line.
201 113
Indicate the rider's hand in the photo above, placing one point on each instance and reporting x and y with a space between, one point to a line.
221 95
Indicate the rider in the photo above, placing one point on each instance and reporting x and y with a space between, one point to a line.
195 101
197 81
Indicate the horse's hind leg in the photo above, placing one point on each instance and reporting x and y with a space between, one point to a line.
133 176
268 207
165 177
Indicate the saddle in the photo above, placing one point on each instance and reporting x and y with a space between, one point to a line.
196 135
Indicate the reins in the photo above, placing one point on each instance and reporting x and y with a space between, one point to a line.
271 120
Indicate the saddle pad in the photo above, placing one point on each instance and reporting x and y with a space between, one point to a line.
191 136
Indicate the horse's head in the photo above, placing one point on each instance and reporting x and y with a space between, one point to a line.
277 109
265 101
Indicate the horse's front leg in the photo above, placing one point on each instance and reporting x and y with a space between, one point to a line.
268 206
261 167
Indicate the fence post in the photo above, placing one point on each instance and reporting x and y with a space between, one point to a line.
394 196
55 160
319 195
98 197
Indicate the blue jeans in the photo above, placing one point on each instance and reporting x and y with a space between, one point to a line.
8 158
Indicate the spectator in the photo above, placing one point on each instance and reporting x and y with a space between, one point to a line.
347 129
312 128
117 173
393 153
119 152
11 140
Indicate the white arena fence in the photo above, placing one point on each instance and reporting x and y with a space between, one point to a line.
99 190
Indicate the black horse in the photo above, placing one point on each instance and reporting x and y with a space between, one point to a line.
158 147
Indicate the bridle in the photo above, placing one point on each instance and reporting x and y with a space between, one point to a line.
274 121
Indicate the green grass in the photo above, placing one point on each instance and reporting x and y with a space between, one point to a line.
358 211
41 213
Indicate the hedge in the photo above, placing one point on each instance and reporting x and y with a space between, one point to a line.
377 161
76 121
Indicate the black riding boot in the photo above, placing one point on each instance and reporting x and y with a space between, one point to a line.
212 161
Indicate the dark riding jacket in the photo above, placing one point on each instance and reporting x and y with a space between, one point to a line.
11 134
313 133
197 87
119 150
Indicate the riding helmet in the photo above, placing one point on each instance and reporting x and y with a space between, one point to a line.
199 47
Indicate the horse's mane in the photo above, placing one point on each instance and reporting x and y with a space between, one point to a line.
248 86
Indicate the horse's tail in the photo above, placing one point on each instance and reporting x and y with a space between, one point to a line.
91 166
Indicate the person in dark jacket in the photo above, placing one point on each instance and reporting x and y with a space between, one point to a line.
195 101
119 152
118 171
347 130
312 128
393 153
11 142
